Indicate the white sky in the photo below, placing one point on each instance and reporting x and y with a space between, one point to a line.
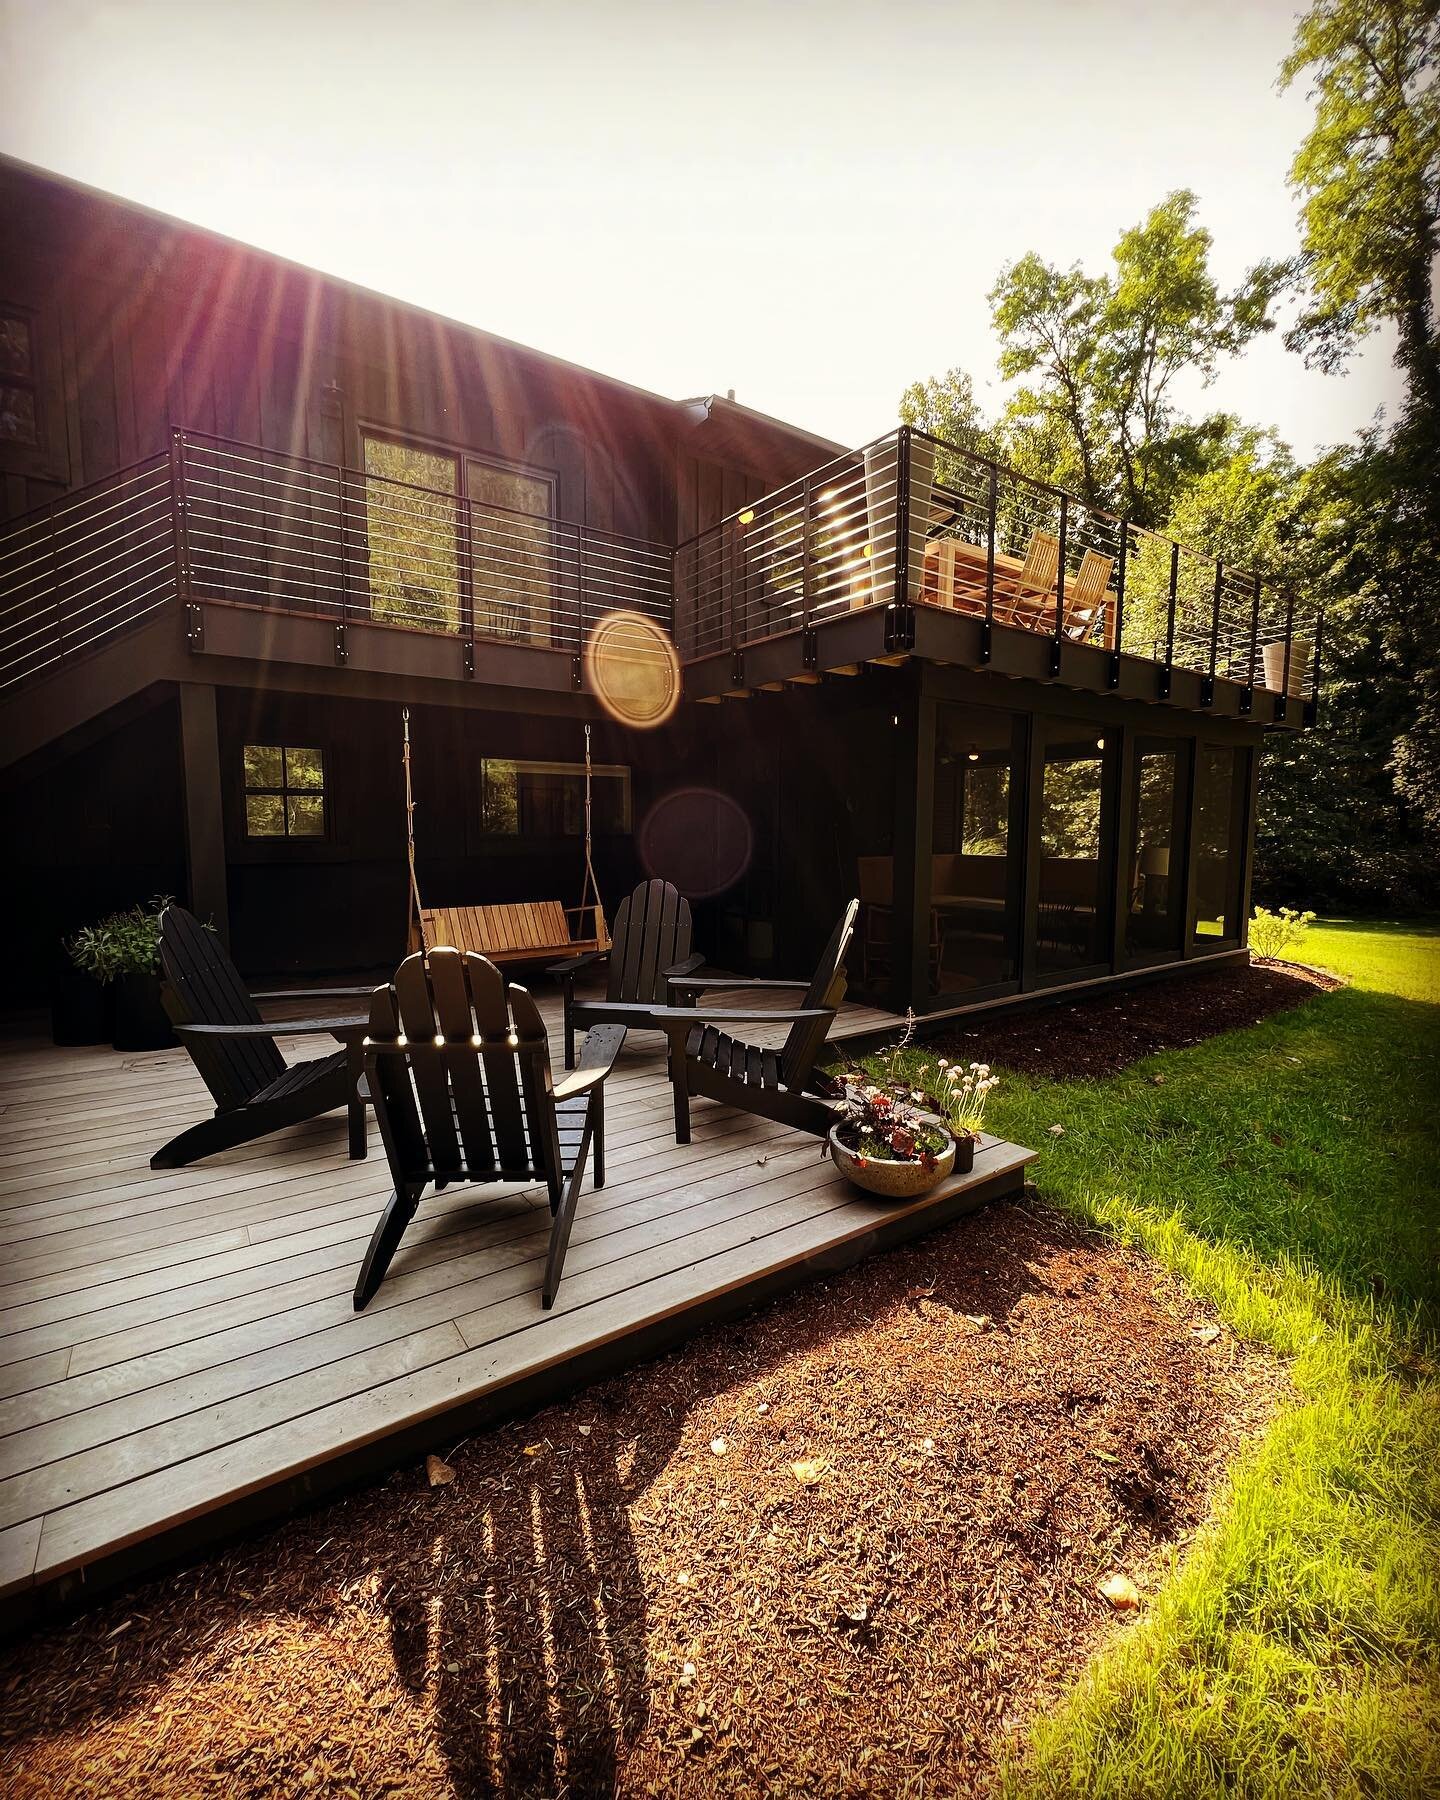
806 202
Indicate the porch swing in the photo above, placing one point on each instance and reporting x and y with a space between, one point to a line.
513 931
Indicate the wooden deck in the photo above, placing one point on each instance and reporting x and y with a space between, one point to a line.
178 1351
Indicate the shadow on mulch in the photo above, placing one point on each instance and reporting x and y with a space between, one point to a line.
1100 1036
847 1544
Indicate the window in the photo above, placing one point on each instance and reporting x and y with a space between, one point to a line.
1154 918
284 792
976 866
1075 844
19 380
547 799
411 527
512 551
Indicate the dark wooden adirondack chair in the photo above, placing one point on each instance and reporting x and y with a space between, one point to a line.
234 1050
649 946
776 1084
458 1068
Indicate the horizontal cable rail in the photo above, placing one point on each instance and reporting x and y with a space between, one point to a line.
85 568
989 542
264 528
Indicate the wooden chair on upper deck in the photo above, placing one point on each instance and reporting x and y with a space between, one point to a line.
1086 596
458 1068
1027 592
650 945
775 1084
234 1051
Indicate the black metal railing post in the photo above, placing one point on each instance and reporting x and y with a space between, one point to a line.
1247 698
1312 706
1117 635
1207 686
58 582
194 620
1059 637
901 593
1170 622
987 630
1283 701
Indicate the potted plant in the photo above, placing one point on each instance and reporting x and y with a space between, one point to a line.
901 1141
122 952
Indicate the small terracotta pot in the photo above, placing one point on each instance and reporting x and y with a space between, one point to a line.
896 1180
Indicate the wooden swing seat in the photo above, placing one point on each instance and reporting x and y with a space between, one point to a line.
514 932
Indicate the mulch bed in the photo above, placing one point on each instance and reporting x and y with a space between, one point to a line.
845 1546
1097 1037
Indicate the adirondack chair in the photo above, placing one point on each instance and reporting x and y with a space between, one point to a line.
776 1084
234 1051
649 946
458 1068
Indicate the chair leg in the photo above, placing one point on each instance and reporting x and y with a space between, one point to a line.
597 1114
560 1226
682 1104
384 1242
569 1023
355 1064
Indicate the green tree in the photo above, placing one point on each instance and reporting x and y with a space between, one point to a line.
1368 175
1100 356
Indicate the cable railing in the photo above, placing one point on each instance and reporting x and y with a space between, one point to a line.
265 528
993 544
84 569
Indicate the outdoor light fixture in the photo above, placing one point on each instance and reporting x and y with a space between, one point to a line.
748 516
1099 743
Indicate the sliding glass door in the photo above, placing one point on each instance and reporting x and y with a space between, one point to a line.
1073 922
1153 896
977 865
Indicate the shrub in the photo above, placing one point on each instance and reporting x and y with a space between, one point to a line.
122 943
1272 934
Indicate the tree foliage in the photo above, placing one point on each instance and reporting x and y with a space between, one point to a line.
1368 175
1099 356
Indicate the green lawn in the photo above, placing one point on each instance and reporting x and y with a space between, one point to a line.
1288 1173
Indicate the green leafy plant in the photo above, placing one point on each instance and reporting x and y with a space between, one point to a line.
1273 933
122 943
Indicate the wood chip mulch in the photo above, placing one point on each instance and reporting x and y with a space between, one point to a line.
846 1545
1100 1036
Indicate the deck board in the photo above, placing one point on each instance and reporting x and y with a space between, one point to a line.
174 1346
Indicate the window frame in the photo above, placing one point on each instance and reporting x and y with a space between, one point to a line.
548 766
284 792
462 455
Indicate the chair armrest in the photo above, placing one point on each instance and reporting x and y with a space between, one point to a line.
694 984
686 967
573 963
597 1058
708 1015
280 1028
346 993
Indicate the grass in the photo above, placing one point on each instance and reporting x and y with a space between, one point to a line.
1288 1174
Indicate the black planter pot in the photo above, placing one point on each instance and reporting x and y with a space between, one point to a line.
140 1021
80 1007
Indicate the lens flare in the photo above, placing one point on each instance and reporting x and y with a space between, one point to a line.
698 838
633 670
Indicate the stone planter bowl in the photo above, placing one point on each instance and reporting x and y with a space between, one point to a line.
897 1180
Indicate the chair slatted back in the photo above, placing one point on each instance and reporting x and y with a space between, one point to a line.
1042 562
203 987
652 933
459 1071
806 1037
1085 596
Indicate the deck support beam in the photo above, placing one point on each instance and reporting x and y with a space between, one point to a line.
204 817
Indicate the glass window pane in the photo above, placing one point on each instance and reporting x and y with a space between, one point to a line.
304 769
1072 926
975 887
18 421
264 766
499 811
306 814
1156 899
513 550
1217 862
17 355
264 815
412 527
